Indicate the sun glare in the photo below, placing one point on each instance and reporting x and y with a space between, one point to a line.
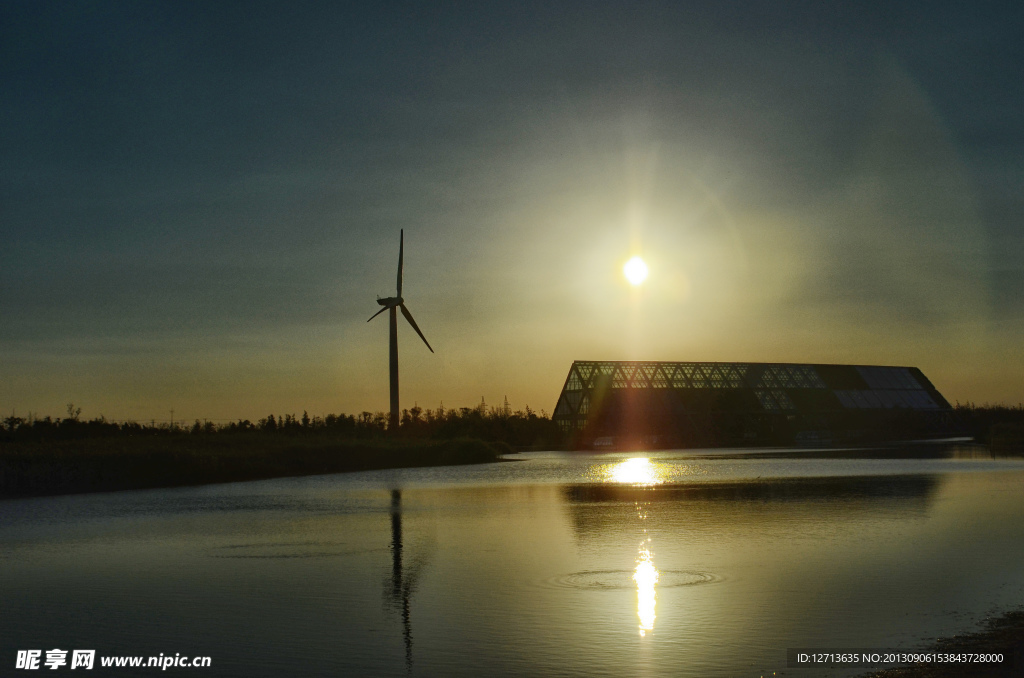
636 471
635 270
646 578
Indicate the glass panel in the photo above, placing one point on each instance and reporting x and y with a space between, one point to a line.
892 377
907 380
868 375
678 379
782 398
871 376
872 400
619 380
813 378
918 398
876 377
886 378
766 400
733 375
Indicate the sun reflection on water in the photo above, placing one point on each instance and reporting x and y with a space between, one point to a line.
645 574
636 471
641 472
646 577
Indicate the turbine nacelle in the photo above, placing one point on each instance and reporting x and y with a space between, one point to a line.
397 301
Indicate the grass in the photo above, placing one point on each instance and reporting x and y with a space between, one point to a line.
129 463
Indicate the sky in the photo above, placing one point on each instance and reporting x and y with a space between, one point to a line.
200 202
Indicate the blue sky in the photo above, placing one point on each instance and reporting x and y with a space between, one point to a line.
199 202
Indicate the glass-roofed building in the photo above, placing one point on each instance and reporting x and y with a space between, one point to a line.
669 404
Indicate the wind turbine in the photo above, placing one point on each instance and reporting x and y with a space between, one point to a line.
393 304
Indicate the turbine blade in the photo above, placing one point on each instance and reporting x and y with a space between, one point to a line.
378 313
408 316
401 249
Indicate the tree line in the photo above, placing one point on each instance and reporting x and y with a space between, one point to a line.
519 428
525 428
1002 424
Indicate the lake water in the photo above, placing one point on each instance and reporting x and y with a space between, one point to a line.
683 563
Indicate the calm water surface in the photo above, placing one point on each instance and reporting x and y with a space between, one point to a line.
669 563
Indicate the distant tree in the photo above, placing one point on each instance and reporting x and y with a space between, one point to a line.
12 422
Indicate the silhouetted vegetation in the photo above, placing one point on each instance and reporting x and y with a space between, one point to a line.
999 426
521 429
56 456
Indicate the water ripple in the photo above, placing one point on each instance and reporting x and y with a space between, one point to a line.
623 579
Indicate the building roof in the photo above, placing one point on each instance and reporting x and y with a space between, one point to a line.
699 401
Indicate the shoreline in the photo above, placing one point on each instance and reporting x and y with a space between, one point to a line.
137 463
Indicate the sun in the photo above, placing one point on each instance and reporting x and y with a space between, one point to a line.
635 271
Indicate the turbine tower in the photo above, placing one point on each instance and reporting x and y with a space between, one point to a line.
393 304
